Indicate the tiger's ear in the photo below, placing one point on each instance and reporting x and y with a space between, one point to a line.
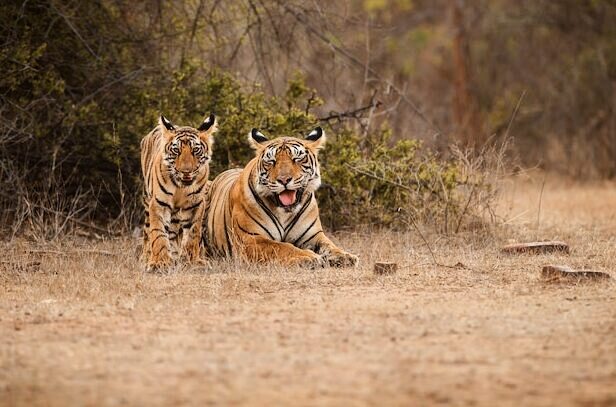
163 121
257 139
316 138
208 128
168 129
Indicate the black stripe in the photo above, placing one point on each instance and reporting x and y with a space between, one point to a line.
157 237
202 179
258 223
162 171
312 237
247 232
158 230
190 208
162 203
296 218
267 211
305 231
161 249
162 188
174 182
198 190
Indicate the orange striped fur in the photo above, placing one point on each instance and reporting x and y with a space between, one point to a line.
175 166
267 211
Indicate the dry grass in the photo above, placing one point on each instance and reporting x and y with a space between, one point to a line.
92 329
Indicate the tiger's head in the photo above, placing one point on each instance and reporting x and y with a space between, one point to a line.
287 168
188 150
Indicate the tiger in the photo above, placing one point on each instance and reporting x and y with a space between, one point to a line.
175 166
267 211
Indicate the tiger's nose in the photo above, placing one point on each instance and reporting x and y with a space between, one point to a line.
284 180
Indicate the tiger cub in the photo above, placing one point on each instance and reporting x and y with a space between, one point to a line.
175 166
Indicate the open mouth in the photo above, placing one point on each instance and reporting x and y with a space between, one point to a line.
289 198
186 180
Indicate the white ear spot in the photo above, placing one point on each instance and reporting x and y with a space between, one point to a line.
207 123
315 134
165 122
258 136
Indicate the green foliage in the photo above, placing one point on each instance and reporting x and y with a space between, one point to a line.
74 114
395 183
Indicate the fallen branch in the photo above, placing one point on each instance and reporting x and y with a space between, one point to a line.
555 273
72 252
536 247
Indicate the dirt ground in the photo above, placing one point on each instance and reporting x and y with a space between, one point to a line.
87 327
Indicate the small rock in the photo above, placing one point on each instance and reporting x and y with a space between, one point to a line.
381 268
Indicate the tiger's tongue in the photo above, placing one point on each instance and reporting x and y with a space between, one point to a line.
287 197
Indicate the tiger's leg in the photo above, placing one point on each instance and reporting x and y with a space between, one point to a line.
145 250
261 249
332 254
160 217
174 233
192 236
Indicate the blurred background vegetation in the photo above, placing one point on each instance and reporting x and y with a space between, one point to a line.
423 101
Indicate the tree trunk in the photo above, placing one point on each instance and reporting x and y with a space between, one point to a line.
465 106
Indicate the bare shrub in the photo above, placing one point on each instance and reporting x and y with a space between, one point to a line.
396 184
42 212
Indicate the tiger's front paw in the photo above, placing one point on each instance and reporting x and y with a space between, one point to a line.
309 259
194 260
191 253
159 264
341 259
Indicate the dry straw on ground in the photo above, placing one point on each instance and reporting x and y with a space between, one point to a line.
90 328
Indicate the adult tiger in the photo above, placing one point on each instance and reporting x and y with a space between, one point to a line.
267 210
175 165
